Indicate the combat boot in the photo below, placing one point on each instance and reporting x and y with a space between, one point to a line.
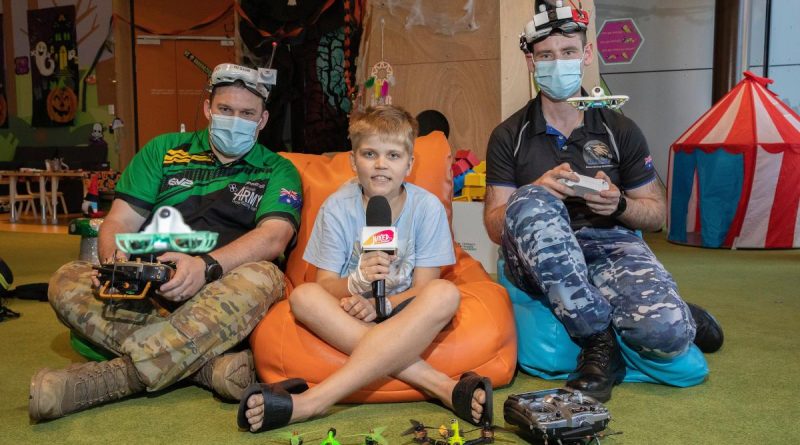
56 393
228 375
600 366
709 336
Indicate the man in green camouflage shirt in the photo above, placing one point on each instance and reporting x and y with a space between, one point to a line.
221 180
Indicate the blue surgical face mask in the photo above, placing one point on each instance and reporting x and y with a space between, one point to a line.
559 79
232 136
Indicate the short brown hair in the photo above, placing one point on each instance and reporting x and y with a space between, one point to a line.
390 123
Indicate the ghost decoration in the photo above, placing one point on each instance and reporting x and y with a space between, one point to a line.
96 137
43 59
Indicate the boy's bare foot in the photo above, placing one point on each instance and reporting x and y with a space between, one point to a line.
472 398
478 399
255 410
266 406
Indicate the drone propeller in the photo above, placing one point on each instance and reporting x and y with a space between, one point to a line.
295 437
374 434
415 426
492 429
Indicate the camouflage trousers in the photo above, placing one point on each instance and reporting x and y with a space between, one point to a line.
166 349
594 278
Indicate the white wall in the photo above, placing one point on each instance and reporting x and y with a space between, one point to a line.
669 81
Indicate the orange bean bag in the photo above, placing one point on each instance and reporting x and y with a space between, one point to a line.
481 336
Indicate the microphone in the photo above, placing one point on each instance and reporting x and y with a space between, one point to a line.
379 234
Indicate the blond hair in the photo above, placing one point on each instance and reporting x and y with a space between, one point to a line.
390 123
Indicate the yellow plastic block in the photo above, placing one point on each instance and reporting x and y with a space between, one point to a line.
474 193
480 168
475 180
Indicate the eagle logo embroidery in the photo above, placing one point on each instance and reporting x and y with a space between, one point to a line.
597 154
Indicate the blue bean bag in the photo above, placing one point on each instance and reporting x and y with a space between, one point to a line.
547 351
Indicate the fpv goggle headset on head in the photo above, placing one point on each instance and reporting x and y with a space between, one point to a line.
563 18
258 81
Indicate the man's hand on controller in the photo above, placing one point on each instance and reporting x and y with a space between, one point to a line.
94 275
606 201
550 181
189 277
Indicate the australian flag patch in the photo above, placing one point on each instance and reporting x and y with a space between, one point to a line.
291 198
648 162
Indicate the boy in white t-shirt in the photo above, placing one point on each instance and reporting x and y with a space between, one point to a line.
339 307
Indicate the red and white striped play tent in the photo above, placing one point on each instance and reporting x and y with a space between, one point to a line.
734 175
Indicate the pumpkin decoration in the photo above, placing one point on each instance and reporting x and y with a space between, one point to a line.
62 104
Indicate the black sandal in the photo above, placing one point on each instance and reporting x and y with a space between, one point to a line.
277 403
462 397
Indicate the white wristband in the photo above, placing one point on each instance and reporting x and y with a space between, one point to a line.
357 283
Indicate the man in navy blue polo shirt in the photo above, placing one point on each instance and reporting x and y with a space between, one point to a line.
582 252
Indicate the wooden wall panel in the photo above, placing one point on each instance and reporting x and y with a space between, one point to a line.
464 91
458 74
516 88
421 44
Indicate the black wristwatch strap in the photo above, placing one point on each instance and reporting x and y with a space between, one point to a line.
213 268
621 206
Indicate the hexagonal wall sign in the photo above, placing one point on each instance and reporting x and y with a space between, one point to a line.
618 41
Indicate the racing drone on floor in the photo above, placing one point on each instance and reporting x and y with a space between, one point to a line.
598 99
559 416
452 435
373 437
133 280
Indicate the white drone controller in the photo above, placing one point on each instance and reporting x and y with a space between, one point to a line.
598 99
585 185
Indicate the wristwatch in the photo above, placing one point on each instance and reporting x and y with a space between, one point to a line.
213 268
621 206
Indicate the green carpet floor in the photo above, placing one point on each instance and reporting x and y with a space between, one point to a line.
751 396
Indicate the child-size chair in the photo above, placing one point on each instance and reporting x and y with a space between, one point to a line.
481 336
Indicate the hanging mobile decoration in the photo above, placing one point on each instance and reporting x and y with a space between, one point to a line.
382 75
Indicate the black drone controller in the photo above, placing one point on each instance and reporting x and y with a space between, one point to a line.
558 416
131 280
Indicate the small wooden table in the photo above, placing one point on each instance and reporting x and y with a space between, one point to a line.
54 176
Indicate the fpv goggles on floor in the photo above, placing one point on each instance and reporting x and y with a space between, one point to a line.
258 81
563 18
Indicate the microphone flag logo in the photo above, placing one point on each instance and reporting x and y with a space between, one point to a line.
379 238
